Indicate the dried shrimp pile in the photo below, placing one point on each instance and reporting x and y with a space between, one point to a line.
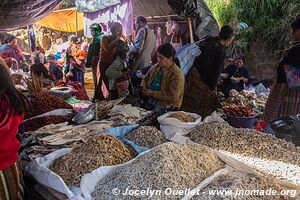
183 117
147 136
99 150
246 142
239 182
168 165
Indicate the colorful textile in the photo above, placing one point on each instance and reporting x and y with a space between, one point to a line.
11 52
12 183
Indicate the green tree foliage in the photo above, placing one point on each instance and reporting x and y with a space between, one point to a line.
269 20
68 3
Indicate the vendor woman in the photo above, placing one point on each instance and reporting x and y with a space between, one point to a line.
238 76
13 105
285 95
165 81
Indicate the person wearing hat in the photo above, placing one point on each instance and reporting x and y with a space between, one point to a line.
94 50
54 69
164 82
175 39
117 72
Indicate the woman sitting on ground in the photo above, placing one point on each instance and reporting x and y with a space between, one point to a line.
38 56
164 82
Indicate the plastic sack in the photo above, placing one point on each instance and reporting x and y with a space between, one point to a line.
121 131
39 169
171 126
260 89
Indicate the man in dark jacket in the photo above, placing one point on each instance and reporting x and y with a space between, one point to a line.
94 50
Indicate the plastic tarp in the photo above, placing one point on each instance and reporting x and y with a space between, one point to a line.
206 24
63 20
19 13
94 5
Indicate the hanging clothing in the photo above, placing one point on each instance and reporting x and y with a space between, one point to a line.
176 45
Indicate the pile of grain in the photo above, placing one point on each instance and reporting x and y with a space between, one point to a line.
247 142
168 165
238 183
147 136
99 150
183 117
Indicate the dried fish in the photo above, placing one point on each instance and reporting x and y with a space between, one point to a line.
247 142
181 116
168 165
146 136
99 150
238 183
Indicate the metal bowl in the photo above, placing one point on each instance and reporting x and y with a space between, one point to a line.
85 116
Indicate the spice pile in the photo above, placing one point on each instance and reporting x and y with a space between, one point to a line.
36 123
99 150
247 142
168 165
183 117
146 136
45 103
238 111
238 182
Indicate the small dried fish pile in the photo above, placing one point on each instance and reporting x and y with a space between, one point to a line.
238 182
247 142
282 171
183 117
168 165
146 136
99 150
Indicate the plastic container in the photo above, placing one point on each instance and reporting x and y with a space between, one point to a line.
241 122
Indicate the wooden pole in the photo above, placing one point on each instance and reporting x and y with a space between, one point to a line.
191 30
76 19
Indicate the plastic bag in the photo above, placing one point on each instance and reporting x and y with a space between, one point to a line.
260 89
171 126
120 133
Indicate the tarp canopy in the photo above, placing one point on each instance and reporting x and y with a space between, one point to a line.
18 13
63 20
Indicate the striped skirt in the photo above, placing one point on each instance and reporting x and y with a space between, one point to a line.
282 102
198 98
12 183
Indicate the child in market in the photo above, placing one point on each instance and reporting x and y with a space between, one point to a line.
54 69
77 70
117 72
